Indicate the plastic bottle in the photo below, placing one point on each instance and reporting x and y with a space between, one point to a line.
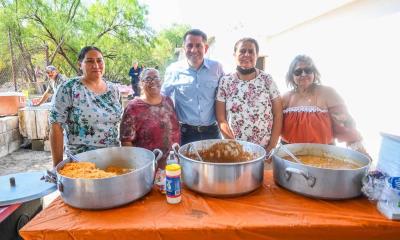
159 180
171 158
29 103
391 191
173 183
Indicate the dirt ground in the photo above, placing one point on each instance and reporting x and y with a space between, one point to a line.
25 160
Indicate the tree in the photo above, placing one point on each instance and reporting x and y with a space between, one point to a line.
167 42
52 32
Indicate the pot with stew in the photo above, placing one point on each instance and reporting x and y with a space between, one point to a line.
221 167
325 171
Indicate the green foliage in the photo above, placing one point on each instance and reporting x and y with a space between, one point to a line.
63 27
166 44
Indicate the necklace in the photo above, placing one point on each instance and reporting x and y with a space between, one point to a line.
305 96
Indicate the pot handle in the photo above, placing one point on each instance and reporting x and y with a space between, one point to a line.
175 148
51 177
269 155
310 179
158 155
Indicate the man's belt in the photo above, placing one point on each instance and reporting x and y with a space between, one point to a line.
198 128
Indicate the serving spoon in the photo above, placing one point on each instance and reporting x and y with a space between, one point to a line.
191 147
72 157
284 148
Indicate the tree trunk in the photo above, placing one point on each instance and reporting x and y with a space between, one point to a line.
74 66
46 49
12 60
57 49
26 57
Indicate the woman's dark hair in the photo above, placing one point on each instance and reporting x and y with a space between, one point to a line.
309 62
195 32
85 50
247 39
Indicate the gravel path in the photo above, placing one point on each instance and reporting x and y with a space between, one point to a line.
25 160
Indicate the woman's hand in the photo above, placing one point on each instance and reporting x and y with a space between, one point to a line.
359 147
276 126
226 130
220 112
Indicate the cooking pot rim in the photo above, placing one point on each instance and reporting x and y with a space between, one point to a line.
319 168
367 165
223 164
96 179
260 158
62 163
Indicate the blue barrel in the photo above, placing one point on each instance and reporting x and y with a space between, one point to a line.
389 155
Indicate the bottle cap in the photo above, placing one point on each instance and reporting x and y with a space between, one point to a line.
173 167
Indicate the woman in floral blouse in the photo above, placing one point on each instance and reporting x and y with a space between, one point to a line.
87 107
248 105
149 121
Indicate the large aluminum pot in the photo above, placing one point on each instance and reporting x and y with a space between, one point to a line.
115 191
320 182
222 179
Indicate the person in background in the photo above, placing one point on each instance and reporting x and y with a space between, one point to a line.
313 113
87 107
134 73
192 84
38 72
150 121
55 80
248 103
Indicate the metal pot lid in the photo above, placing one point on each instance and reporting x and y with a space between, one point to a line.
23 187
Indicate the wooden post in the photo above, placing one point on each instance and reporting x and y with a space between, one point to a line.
12 60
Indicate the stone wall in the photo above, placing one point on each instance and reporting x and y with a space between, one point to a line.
10 138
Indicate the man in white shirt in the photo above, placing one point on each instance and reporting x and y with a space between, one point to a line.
55 79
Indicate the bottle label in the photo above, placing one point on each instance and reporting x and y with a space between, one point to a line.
173 186
159 180
394 182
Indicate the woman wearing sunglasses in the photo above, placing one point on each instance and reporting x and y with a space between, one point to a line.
313 113
149 121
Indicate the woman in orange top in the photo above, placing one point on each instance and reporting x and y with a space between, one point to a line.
314 113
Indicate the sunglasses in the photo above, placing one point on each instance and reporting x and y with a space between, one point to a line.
300 71
151 79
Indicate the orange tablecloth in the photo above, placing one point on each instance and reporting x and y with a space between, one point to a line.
268 213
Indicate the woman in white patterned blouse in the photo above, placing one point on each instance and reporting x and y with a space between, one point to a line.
248 104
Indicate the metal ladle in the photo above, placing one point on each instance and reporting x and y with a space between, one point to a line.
290 153
192 148
72 157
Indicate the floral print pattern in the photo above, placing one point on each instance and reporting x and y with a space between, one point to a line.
151 126
249 106
90 120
